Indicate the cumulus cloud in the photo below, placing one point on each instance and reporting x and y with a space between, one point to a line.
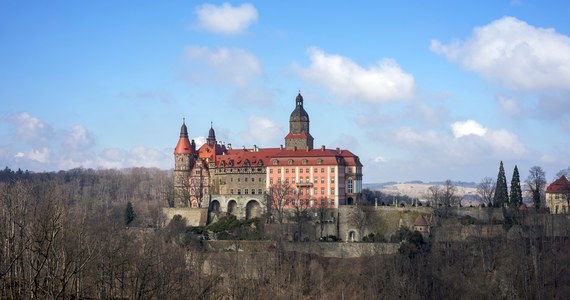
234 65
78 138
513 53
466 128
31 129
70 148
35 155
384 81
470 142
225 19
263 131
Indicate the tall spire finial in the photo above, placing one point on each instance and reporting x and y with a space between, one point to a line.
211 124
183 120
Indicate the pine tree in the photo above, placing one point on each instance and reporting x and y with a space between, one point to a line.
501 194
129 214
516 192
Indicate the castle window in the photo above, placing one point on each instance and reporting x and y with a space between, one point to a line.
316 180
300 180
332 170
279 180
270 171
332 202
275 162
290 162
293 170
279 171
322 191
349 185
259 191
293 180
332 180
307 180
322 202
286 180
300 191
319 161
253 180
300 170
322 180
304 161
239 179
332 191
287 171
308 170
245 191
316 170
315 191
246 179
232 191
270 180
322 170
253 191
239 191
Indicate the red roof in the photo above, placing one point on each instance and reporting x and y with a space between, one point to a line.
266 155
421 221
301 135
183 146
559 186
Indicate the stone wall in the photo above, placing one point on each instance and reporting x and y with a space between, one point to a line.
193 216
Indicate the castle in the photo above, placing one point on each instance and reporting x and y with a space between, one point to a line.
240 181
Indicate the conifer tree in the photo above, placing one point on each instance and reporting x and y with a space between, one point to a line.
501 194
516 192
129 214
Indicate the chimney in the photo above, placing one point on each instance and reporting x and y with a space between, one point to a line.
281 147
323 148
338 150
254 148
230 146
295 148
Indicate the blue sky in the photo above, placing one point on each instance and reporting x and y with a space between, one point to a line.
420 90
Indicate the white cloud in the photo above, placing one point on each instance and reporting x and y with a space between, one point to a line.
514 54
470 143
35 155
467 128
78 138
509 106
384 81
263 131
379 159
226 19
31 129
233 65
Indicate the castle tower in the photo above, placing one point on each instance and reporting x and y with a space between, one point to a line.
183 162
299 136
211 140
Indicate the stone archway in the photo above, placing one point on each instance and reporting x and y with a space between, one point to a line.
252 210
233 208
214 211
350 201
352 237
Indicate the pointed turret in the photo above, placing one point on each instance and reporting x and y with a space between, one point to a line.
184 146
211 140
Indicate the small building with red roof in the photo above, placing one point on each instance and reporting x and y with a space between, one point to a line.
557 196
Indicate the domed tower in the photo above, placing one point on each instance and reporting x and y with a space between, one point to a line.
299 136
183 162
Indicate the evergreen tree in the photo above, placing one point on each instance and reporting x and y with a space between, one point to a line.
501 194
516 192
129 214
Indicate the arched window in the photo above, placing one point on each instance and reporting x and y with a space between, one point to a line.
349 185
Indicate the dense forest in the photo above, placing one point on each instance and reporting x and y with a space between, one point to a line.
97 234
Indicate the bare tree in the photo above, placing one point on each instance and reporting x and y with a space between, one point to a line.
448 196
536 182
278 198
435 194
486 190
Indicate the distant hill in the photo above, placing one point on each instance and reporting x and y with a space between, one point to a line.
419 189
